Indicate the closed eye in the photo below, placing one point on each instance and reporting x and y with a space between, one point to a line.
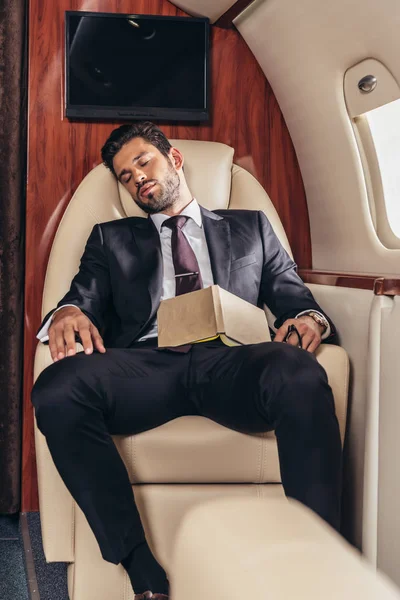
126 178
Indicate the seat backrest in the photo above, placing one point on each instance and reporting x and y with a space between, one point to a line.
212 177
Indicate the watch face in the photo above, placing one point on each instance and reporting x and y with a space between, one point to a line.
318 319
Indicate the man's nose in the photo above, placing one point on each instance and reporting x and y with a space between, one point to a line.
140 177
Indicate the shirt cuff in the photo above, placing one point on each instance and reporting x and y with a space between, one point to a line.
43 334
327 332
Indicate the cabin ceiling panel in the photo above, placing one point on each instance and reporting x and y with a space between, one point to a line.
305 49
212 9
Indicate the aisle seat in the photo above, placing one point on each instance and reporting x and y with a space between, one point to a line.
277 549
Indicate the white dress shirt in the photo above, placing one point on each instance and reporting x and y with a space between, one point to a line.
194 233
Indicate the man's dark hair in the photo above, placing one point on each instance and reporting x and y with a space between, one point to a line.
124 134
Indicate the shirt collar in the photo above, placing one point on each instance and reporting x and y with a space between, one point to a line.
192 210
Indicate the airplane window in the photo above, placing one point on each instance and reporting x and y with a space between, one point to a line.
384 128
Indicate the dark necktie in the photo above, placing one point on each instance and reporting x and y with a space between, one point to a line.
187 272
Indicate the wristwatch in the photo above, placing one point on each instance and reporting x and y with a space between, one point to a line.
317 317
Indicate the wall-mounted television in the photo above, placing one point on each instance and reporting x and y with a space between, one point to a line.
126 67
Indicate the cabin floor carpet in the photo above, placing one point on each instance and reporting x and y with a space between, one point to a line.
13 584
51 578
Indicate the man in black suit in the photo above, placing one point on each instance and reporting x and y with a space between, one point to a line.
124 384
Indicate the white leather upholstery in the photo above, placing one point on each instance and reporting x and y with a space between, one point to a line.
215 460
162 508
257 548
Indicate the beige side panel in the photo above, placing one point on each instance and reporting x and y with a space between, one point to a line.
57 513
350 311
371 465
305 49
388 542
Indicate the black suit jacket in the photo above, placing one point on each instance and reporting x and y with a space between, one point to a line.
119 283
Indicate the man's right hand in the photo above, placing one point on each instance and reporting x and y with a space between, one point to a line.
65 324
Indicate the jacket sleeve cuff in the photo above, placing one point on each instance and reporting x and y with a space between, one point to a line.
43 333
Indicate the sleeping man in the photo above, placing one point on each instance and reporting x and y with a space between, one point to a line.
123 384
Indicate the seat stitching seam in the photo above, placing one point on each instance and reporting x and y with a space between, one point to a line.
259 459
262 471
73 528
133 457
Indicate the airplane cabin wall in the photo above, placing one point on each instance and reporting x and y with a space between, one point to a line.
305 49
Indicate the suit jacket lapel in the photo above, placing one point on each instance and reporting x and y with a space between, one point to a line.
149 248
218 236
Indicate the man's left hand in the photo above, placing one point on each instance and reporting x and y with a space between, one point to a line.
309 331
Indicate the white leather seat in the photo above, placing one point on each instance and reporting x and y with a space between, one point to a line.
255 548
166 480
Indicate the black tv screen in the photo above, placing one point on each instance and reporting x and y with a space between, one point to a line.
125 66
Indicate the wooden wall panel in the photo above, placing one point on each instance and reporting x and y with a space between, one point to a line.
380 285
245 115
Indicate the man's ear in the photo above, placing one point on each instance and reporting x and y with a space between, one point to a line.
176 158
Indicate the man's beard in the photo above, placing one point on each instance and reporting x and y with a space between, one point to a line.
163 198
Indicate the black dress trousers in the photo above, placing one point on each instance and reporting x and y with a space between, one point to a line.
82 400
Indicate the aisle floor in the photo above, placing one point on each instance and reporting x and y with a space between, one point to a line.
18 573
